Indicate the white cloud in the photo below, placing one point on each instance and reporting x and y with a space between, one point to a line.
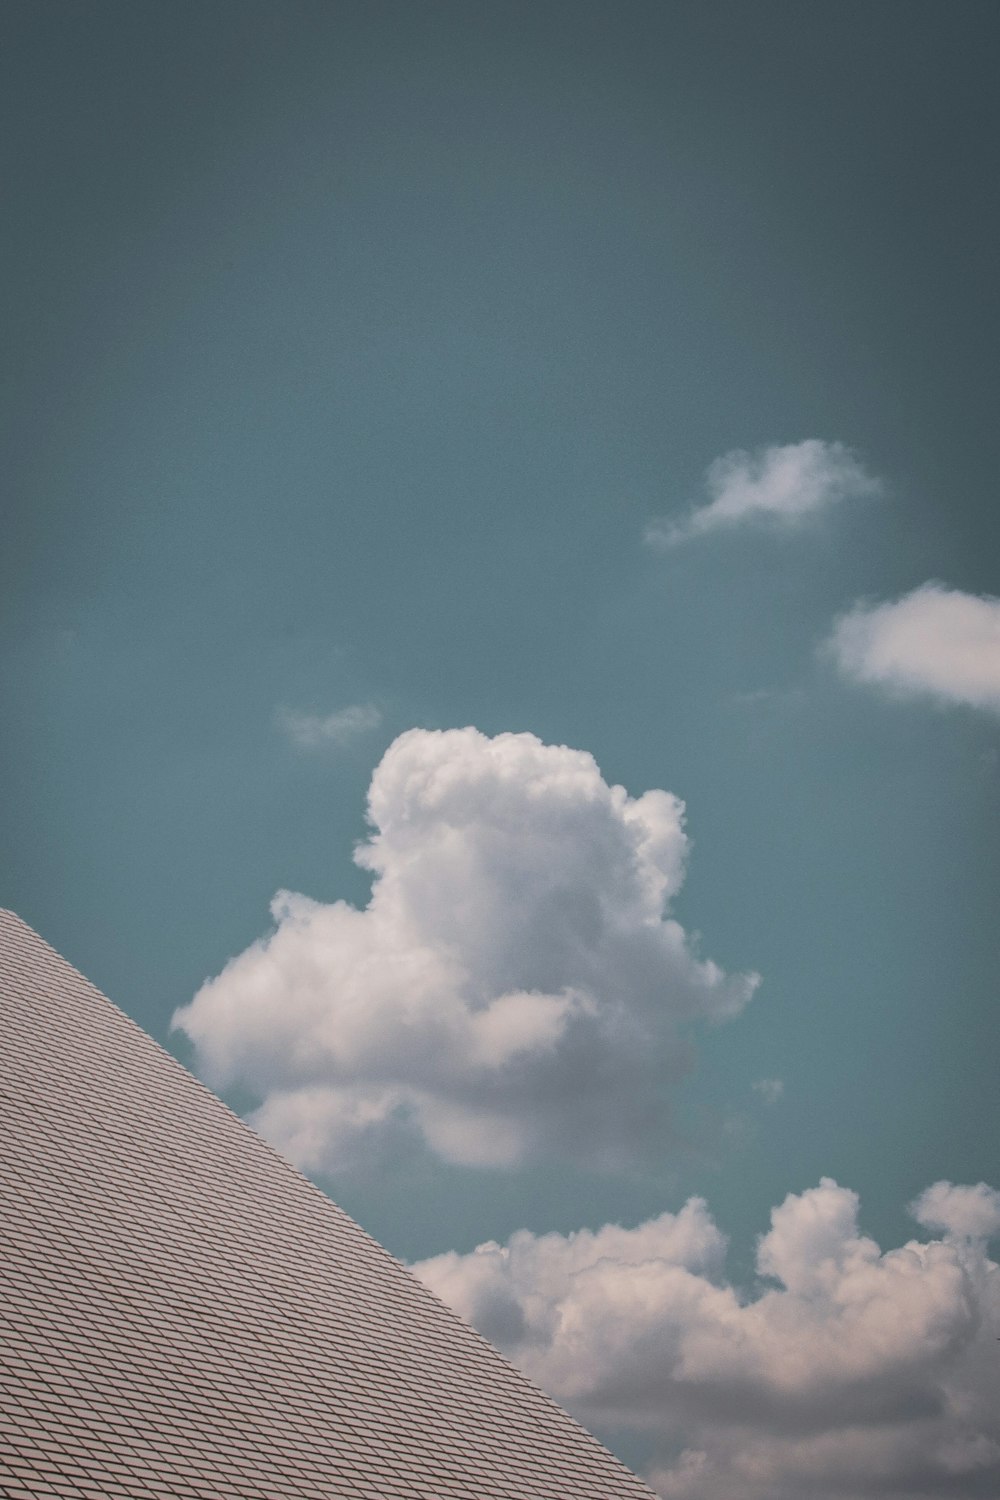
515 987
782 485
969 1211
314 731
935 641
845 1372
769 1089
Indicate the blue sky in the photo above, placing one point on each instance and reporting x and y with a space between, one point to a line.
363 361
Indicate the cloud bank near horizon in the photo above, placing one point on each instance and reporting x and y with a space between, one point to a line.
935 642
516 987
846 1371
779 485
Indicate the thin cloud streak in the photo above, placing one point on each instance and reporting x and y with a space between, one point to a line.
335 731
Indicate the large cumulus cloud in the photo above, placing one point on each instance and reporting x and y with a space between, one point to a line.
515 985
845 1372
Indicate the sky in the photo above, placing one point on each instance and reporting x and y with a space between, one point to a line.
500 664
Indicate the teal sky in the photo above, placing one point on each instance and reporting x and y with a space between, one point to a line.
350 349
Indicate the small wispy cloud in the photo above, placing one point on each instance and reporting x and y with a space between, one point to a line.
782 485
933 641
333 731
769 1089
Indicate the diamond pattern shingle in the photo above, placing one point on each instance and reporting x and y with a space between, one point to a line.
184 1316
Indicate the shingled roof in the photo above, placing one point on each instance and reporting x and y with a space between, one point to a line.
183 1315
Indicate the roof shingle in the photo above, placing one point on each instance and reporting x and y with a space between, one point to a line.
184 1315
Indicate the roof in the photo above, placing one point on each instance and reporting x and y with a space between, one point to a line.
185 1315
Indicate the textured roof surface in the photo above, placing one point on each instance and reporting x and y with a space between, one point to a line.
184 1315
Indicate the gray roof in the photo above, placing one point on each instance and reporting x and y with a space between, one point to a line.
184 1315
